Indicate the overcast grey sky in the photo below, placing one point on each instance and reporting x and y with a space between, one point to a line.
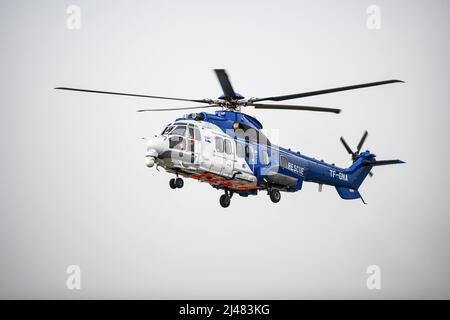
75 190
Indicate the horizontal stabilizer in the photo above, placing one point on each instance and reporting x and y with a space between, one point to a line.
381 162
347 193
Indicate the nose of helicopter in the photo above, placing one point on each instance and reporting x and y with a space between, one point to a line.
155 146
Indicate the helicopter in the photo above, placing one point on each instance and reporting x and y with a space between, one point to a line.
228 150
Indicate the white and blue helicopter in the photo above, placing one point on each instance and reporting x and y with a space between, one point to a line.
228 150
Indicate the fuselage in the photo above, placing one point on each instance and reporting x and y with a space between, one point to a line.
229 151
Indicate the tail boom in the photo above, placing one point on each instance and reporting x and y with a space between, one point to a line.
358 172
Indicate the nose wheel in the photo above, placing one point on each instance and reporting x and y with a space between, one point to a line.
225 200
176 183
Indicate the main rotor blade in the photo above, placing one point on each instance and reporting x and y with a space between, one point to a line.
225 83
181 108
361 142
132 95
349 150
325 91
292 107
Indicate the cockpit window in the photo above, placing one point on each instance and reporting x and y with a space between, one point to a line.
197 134
178 143
167 129
179 131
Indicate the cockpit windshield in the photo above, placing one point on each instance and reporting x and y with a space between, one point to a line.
178 129
167 129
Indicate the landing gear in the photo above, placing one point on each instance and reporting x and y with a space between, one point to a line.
225 200
179 183
275 195
176 183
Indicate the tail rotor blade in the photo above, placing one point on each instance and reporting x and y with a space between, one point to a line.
361 142
346 146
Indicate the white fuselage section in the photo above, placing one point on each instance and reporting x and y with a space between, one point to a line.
201 150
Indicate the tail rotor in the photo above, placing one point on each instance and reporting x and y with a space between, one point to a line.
355 154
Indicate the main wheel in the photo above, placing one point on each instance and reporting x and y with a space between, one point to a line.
225 201
179 183
172 183
275 196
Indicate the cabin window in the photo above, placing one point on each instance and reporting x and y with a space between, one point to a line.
265 157
283 162
262 139
239 150
249 153
178 143
219 144
248 133
228 147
